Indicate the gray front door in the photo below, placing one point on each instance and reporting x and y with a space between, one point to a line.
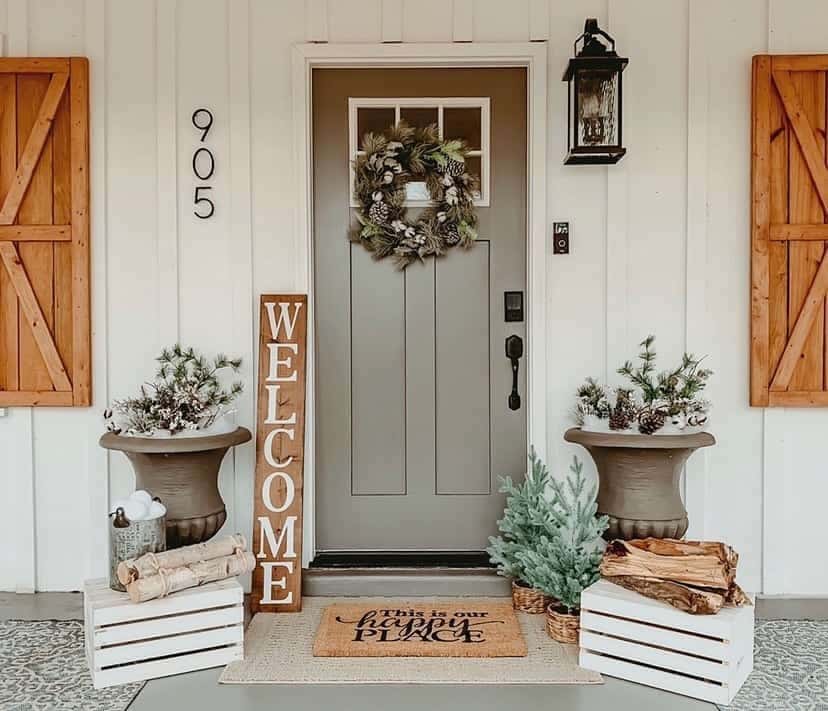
413 425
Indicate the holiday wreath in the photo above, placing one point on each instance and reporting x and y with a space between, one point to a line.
401 155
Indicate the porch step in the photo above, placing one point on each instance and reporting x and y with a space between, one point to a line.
404 582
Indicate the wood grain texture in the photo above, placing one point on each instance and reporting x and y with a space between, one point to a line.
30 159
778 253
81 302
8 168
799 233
682 597
35 233
33 65
280 442
760 223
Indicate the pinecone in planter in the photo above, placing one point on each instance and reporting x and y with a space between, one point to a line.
452 235
623 414
378 212
650 422
454 168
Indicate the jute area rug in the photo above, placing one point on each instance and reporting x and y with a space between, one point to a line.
278 649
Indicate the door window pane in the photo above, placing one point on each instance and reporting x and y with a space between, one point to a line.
373 120
419 116
463 123
474 166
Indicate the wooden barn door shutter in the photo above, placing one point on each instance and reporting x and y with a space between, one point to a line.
44 232
789 345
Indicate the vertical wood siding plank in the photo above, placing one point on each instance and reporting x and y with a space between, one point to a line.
805 207
35 209
166 91
81 326
9 321
62 215
538 20
463 20
760 227
392 19
316 21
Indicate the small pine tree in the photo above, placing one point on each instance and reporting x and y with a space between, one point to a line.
564 558
525 517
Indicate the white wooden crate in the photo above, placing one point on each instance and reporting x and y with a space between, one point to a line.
193 629
632 637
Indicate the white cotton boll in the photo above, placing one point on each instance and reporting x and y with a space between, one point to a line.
135 510
142 496
156 510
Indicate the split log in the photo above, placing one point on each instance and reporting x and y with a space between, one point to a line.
149 564
736 597
170 580
709 565
683 597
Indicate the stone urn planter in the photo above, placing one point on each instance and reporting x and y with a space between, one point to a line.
183 472
639 478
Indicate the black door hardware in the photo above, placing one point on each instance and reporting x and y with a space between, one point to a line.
514 352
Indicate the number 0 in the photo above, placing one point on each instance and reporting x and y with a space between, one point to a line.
212 163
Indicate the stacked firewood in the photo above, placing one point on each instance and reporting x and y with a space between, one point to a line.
155 575
698 577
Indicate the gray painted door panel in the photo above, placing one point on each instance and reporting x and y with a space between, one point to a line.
412 423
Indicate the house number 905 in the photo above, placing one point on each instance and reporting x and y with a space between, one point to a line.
204 165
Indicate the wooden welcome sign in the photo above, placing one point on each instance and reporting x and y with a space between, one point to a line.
280 441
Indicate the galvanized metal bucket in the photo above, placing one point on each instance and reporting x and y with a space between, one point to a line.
132 540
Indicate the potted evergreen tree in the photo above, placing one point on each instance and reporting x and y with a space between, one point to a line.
176 434
526 515
565 558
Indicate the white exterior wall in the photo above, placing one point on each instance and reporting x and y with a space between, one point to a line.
660 242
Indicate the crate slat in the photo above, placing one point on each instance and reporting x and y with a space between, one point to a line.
163 646
658 636
654 677
638 652
145 629
167 667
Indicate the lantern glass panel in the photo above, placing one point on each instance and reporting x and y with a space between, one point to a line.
597 108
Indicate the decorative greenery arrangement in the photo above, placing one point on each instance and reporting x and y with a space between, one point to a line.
656 398
391 160
564 559
186 395
525 517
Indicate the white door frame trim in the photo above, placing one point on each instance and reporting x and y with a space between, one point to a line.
533 56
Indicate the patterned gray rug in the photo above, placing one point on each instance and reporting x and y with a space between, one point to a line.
790 668
44 669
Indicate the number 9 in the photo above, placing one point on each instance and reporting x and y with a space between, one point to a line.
203 125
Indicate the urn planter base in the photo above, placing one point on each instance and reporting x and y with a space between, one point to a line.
183 473
639 477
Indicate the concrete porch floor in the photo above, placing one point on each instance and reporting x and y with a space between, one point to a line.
201 690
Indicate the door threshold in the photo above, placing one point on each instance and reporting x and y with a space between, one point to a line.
404 582
401 559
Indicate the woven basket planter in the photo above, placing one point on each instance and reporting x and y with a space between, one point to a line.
528 599
562 627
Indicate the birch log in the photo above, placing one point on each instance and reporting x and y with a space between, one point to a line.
708 565
149 564
683 597
170 580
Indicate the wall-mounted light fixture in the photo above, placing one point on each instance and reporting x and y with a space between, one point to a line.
594 104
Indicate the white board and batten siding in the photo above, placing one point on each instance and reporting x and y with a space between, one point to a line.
194 629
627 635
660 242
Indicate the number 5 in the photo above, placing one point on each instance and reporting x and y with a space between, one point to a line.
198 199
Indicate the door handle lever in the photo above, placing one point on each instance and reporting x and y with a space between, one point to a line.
514 352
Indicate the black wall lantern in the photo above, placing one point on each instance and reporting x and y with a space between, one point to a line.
594 104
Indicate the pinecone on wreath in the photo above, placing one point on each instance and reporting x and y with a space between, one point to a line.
378 212
452 235
651 421
454 168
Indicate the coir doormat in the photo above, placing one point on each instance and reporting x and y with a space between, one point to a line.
465 628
